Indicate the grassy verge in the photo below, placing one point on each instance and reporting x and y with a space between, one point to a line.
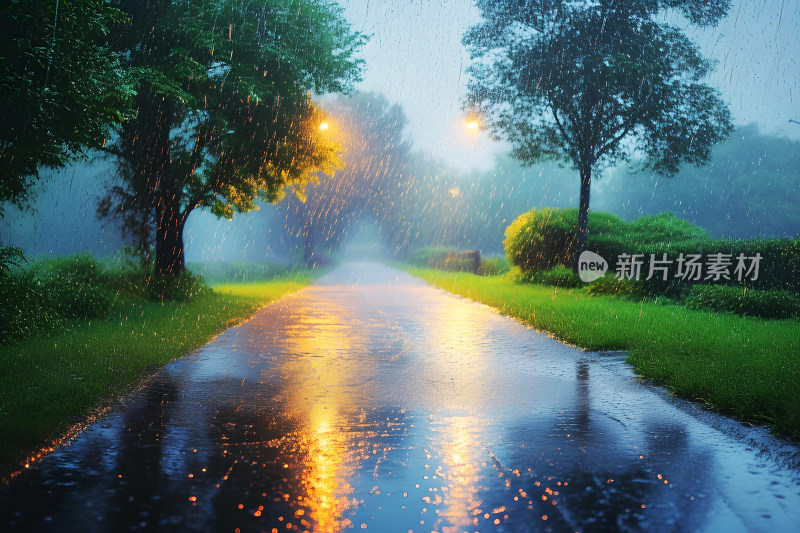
50 384
743 366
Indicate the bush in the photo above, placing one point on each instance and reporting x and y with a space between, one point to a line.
494 266
773 304
177 287
610 285
74 268
25 310
70 285
543 238
54 291
446 259
558 276
77 300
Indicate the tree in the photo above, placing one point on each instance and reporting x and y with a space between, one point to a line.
59 87
593 83
223 110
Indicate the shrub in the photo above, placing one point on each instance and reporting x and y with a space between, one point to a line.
446 259
774 304
70 286
176 287
74 268
558 276
75 300
54 291
610 285
494 266
25 310
543 238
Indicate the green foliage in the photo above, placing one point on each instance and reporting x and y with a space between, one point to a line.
181 287
772 304
25 309
557 276
68 269
611 285
10 257
53 293
50 293
224 114
60 87
446 259
494 266
575 81
594 83
542 238
779 266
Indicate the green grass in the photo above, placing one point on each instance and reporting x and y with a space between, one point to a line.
747 367
50 384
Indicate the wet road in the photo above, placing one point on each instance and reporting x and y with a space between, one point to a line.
373 401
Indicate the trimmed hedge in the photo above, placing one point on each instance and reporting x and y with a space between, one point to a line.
751 302
611 285
558 276
543 238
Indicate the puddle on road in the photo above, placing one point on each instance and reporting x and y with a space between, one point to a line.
372 401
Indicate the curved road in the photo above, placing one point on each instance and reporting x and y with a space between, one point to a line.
374 401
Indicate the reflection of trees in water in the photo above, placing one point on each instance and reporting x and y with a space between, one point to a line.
139 462
106 480
607 482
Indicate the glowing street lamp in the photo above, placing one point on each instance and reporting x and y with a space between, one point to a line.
473 125
324 126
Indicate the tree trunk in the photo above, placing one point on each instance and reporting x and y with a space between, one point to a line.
169 238
583 213
154 167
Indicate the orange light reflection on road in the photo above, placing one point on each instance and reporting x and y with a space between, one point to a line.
459 449
327 361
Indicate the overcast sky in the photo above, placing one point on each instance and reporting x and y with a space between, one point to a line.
415 58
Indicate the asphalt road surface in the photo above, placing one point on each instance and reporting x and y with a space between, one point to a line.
374 401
